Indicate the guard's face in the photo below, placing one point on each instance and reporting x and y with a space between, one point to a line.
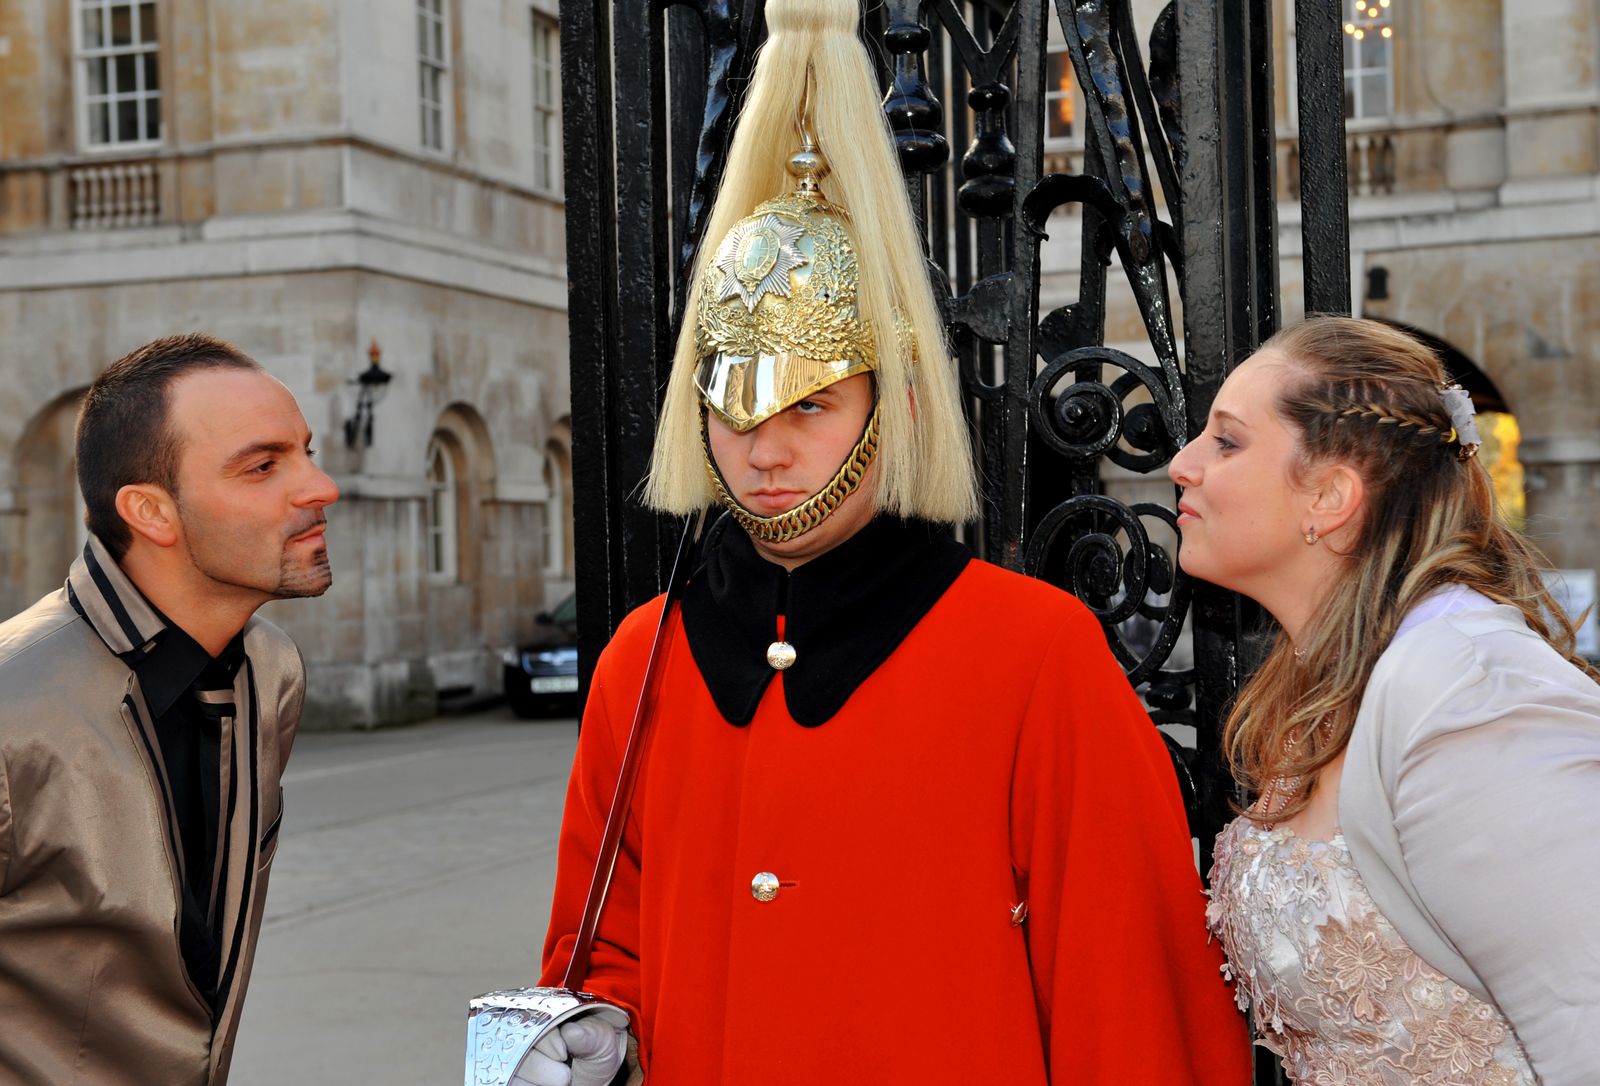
250 500
1241 512
775 466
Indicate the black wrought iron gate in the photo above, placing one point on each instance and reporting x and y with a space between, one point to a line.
1176 183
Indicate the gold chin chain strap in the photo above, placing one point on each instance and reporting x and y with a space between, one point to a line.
815 509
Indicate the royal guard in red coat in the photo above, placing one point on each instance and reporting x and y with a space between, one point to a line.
901 818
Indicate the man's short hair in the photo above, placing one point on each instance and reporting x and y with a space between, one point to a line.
124 433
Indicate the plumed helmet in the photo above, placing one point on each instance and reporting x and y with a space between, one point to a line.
777 319
813 272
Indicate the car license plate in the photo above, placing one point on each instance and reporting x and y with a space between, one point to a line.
557 684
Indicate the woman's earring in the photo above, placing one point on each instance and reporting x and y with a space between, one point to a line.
1311 536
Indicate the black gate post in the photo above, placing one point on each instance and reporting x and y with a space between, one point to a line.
1229 241
1324 187
637 186
613 406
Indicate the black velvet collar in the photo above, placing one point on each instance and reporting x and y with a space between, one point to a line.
845 611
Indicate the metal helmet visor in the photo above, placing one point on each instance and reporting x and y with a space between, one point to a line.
747 391
777 319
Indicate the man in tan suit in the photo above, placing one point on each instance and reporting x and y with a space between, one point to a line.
145 717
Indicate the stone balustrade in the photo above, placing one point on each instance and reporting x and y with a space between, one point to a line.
114 195
1370 162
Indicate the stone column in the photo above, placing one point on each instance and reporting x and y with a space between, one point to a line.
1563 481
1552 84
1457 68
1561 426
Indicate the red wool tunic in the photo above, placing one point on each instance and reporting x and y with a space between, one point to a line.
996 756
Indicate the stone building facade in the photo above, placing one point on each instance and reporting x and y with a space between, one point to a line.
1473 138
308 179
1475 216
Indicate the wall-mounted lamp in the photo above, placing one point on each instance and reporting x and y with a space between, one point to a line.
373 382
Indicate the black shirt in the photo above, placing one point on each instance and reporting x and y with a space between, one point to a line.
173 668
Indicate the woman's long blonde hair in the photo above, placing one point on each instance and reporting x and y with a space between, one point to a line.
924 460
1367 395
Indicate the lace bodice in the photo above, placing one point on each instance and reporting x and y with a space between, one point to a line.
1337 993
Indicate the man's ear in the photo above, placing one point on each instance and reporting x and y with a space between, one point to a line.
149 512
1340 494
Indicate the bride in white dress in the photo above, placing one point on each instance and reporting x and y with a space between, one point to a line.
1414 895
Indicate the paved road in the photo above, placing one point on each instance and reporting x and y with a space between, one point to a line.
414 872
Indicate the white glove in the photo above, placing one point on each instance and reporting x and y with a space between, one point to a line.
583 1052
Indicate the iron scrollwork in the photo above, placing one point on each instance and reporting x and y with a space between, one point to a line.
1046 394
991 54
1172 188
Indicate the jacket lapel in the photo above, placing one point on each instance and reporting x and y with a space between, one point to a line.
240 845
141 727
121 617
136 714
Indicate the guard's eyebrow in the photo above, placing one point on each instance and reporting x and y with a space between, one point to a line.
1228 416
827 390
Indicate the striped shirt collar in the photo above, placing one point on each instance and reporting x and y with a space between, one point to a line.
111 604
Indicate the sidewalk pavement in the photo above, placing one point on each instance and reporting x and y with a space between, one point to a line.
415 871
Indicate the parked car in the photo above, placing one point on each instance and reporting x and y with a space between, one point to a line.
541 676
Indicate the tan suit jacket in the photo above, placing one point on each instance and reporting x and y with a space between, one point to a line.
93 987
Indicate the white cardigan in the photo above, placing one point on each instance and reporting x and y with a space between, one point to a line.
1470 800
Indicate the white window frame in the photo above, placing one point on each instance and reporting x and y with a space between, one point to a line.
555 516
86 55
546 71
439 512
1356 72
433 74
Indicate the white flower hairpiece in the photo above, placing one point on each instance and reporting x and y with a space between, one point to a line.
1464 418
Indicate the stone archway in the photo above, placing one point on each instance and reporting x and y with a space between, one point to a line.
1497 424
46 500
1523 311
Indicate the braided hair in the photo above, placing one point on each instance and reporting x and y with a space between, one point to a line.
1409 427
1367 395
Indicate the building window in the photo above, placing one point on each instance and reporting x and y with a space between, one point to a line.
441 512
119 83
1060 98
555 514
1063 133
546 104
432 70
1368 59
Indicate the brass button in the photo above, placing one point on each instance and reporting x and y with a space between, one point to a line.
781 655
764 887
